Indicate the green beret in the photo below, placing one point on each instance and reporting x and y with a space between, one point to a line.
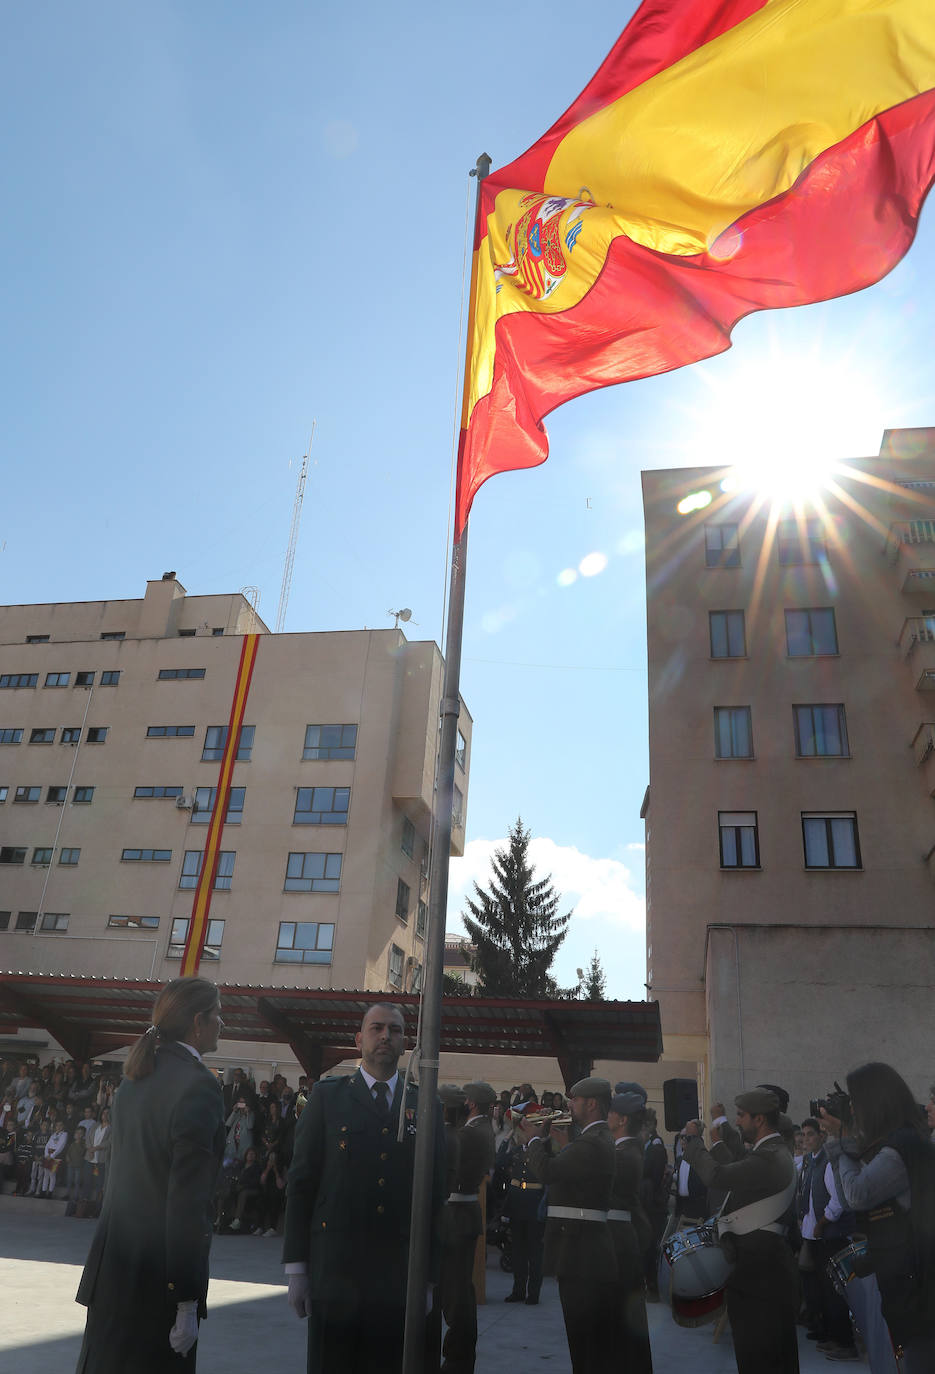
757 1102
590 1087
451 1095
480 1093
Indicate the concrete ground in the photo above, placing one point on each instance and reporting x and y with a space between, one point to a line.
41 1254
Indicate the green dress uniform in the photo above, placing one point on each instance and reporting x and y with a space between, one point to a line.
578 1247
763 1289
461 1225
631 1233
348 1200
522 1205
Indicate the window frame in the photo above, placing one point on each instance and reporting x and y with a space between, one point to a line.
180 674
801 546
42 734
146 856
110 677
282 951
78 797
27 799
213 753
212 947
838 706
403 893
727 634
811 611
326 882
736 828
345 748
57 683
325 816
201 815
170 732
829 818
732 715
69 863
723 555
396 967
11 730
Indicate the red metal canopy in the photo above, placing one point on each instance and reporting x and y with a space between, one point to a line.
90 1017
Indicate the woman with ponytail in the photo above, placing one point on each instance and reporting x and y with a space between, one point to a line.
146 1278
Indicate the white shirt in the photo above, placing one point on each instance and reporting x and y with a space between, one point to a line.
55 1145
832 1211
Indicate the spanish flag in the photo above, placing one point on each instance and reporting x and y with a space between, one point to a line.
729 156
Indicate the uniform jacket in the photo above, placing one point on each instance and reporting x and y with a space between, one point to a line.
763 1171
349 1192
524 1195
625 1194
580 1175
473 1158
150 1249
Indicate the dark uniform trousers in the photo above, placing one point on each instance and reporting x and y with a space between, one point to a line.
348 1200
630 1239
580 1253
526 1228
461 1226
763 1289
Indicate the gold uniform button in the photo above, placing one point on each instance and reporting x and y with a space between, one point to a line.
381 1209
171 1287
324 1226
385 1131
384 1156
381 1182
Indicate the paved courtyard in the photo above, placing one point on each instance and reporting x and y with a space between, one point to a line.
41 1254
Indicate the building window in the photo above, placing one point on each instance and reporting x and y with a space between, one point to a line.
85 679
5 920
26 795
217 631
179 935
57 679
26 920
313 872
216 739
134 922
55 920
42 735
18 679
733 732
55 796
402 900
82 796
407 841
97 734
157 791
10 736
820 732
728 638
12 854
4 792
811 632
71 734
394 971
186 634
321 805
146 856
191 869
69 857
330 742
37 639
800 541
830 839
41 858
109 678
304 942
457 809
415 976
461 751
204 805
114 634
170 731
422 916
721 546
739 839
177 674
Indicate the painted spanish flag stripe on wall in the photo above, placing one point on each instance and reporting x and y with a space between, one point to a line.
728 156
198 925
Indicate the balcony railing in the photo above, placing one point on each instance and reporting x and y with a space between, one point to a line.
918 629
908 533
923 746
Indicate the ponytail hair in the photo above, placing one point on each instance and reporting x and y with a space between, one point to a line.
174 1011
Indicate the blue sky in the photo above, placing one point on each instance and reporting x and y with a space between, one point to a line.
224 221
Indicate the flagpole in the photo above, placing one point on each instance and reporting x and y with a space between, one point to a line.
432 983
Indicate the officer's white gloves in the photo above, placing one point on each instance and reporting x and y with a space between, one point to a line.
299 1298
184 1333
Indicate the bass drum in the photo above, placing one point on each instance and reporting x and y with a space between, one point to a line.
698 1273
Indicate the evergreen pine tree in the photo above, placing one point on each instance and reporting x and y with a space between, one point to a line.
515 925
595 980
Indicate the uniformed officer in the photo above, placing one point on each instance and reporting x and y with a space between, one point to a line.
578 1247
473 1156
522 1207
348 1199
762 1291
630 1229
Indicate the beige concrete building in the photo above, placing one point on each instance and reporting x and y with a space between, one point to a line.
790 821
113 717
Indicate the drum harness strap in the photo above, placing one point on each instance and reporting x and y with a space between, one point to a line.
617 1214
577 1214
757 1216
463 1197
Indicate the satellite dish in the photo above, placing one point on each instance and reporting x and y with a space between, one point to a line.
403 615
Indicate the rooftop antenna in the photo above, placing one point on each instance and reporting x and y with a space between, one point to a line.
403 615
293 537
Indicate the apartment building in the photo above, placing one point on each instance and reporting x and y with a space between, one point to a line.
790 820
113 720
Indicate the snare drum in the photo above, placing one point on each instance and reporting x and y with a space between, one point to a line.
849 1263
698 1272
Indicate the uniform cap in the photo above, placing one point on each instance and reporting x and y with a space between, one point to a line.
631 1088
626 1104
451 1095
590 1087
480 1093
758 1101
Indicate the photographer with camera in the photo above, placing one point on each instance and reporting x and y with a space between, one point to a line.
888 1177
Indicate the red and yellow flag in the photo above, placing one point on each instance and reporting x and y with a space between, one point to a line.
198 925
729 156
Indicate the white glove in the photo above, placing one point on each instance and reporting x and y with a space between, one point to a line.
184 1333
299 1298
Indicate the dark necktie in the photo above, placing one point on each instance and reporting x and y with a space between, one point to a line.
381 1092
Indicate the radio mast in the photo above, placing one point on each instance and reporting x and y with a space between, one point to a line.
293 537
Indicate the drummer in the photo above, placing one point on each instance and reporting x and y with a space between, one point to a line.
762 1291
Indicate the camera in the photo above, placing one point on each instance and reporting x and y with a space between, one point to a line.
836 1104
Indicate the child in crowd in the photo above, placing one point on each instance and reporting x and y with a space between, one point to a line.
52 1158
74 1159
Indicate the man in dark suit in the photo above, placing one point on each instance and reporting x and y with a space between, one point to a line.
348 1199
763 1289
578 1247
473 1157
